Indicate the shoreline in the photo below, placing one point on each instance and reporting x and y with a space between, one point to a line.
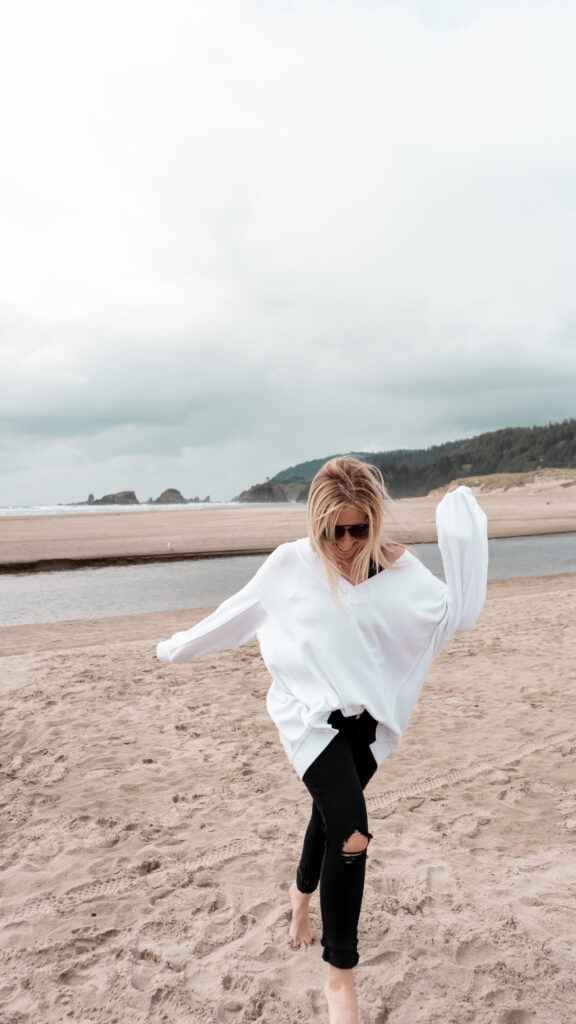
71 564
53 542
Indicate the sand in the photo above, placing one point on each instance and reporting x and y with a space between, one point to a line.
151 826
122 535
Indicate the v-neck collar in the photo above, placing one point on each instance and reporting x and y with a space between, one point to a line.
314 562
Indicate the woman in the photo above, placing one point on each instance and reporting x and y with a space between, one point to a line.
348 624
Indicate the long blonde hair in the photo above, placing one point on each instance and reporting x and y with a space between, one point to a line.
348 482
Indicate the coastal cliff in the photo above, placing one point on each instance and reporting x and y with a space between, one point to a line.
415 472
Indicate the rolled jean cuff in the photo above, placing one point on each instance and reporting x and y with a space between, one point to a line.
305 884
344 958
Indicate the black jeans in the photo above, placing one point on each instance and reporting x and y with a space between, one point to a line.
336 780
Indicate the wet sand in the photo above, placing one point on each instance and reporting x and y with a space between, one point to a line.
66 541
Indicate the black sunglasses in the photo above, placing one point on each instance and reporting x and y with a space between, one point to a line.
358 531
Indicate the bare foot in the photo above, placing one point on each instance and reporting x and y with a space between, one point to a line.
340 994
300 930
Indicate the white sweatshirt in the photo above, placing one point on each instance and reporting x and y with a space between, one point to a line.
371 651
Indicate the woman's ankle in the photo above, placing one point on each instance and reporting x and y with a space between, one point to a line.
340 977
294 891
340 995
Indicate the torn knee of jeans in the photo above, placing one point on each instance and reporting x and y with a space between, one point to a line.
355 846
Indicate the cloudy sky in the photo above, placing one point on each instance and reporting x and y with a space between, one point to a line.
238 234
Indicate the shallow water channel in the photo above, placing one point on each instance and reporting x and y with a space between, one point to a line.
163 586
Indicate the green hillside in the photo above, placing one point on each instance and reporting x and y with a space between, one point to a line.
409 473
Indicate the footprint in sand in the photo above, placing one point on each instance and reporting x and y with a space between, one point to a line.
472 953
440 879
228 1011
75 977
317 1002
143 978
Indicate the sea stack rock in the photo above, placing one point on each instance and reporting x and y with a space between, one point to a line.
170 497
119 498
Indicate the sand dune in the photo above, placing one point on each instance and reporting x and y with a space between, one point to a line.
151 827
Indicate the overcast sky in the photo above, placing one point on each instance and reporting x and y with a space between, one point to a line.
238 234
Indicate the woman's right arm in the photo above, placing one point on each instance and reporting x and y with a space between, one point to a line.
233 623
463 543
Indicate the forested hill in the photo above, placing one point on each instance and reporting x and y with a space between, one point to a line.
410 473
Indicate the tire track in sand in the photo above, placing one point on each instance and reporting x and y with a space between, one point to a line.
175 874
468 772
178 872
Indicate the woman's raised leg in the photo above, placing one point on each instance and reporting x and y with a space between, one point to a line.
300 928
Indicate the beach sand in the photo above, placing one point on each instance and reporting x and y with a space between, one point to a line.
62 541
151 826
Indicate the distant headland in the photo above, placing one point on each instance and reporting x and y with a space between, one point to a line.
411 473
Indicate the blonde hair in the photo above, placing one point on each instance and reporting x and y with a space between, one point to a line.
345 482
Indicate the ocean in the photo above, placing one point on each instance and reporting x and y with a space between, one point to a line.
44 510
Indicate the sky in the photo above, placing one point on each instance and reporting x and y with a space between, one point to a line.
239 234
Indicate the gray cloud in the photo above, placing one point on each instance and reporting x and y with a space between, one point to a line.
236 236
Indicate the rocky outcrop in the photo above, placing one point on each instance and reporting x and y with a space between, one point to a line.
120 498
272 491
268 492
171 496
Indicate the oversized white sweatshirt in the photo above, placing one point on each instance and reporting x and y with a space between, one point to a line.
371 650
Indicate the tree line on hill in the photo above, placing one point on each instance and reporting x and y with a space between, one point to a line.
411 473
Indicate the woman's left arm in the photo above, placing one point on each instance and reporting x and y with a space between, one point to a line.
463 543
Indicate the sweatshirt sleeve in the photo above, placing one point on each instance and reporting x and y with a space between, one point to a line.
233 623
463 543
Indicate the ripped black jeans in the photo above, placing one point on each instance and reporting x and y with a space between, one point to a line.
336 780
